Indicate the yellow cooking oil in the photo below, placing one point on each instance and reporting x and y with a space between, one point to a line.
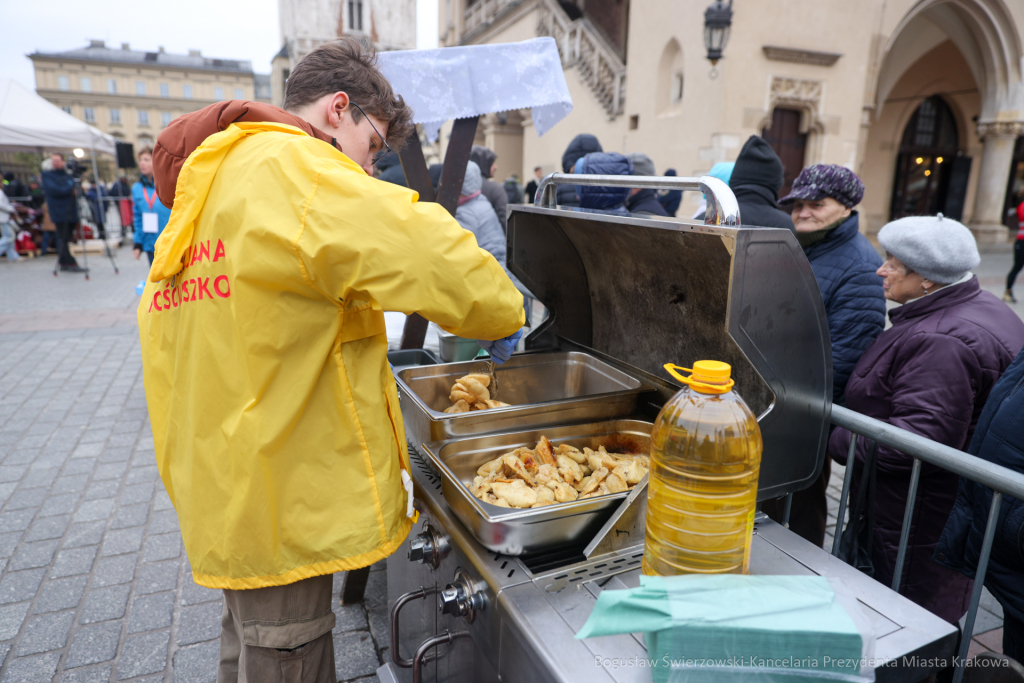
702 489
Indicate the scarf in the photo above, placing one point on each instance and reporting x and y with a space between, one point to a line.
809 239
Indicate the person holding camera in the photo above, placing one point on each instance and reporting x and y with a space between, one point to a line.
59 188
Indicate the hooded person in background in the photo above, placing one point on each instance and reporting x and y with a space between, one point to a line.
390 170
670 199
643 201
514 189
475 214
756 180
14 187
486 160
604 199
723 171
581 145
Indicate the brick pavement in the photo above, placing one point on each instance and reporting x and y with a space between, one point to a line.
94 584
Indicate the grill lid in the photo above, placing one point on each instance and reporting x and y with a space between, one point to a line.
646 291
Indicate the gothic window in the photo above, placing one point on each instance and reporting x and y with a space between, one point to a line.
924 165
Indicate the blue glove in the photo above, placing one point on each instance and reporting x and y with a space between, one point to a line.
501 350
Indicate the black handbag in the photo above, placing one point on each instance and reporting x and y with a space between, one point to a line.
856 541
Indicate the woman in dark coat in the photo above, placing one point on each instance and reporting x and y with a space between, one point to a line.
998 439
930 374
845 265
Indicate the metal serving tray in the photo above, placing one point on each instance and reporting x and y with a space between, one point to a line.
515 532
544 389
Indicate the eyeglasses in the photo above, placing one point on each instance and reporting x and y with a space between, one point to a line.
379 156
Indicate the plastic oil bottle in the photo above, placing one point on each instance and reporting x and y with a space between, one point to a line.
702 490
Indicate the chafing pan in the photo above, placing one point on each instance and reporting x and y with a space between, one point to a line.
544 389
515 532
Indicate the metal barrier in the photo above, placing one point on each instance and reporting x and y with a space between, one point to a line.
1000 479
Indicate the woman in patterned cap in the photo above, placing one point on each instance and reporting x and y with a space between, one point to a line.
844 263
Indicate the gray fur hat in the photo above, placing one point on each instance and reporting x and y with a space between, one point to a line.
642 164
941 249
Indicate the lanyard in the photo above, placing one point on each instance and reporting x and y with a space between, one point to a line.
146 195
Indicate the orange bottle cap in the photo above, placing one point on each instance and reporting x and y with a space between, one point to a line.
706 376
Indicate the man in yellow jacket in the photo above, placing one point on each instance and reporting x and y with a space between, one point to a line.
275 416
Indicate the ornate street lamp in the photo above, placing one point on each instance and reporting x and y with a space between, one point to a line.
717 20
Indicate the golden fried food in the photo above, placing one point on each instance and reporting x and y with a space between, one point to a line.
544 475
471 393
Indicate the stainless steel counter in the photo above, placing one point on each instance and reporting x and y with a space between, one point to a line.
528 610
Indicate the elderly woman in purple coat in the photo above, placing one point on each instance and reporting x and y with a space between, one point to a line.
930 374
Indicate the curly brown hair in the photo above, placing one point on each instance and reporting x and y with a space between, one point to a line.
350 66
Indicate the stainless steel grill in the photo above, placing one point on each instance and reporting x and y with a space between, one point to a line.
633 293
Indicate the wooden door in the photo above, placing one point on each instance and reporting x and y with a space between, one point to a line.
788 142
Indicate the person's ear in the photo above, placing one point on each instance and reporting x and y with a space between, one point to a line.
337 108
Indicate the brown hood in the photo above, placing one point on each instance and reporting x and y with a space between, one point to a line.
189 131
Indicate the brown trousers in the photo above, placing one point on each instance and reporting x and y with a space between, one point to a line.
280 634
808 517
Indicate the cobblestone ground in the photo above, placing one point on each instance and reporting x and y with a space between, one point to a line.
94 583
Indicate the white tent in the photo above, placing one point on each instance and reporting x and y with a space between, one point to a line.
28 122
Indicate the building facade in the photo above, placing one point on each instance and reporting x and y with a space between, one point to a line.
305 24
133 95
924 99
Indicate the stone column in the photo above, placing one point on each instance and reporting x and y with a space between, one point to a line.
999 138
503 133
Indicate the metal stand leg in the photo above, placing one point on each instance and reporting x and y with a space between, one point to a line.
414 166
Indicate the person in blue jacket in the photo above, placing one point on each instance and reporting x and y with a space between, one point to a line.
844 264
600 199
999 439
151 215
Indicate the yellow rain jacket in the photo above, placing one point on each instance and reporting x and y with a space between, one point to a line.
274 412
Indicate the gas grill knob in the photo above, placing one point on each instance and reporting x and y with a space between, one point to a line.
421 549
459 599
428 547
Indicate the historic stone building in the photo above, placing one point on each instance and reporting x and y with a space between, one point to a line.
133 95
923 98
305 24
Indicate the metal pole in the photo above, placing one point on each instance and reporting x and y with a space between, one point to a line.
789 506
845 495
99 205
908 512
981 471
979 584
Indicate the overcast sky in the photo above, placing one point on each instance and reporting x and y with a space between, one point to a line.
219 28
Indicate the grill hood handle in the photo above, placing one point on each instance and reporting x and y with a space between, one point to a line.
723 209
